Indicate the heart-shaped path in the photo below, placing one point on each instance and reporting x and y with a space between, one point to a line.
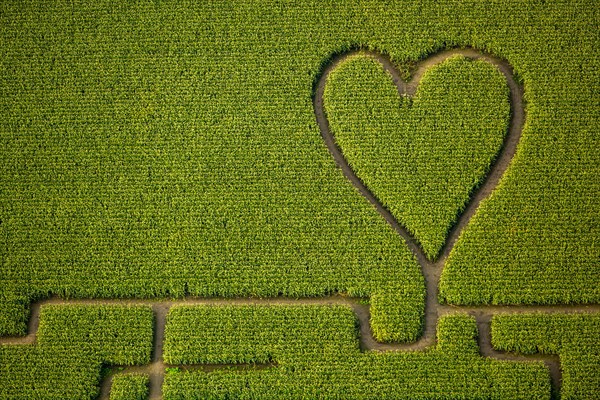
496 170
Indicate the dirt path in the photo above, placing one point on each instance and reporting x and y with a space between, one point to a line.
431 269
161 307
497 168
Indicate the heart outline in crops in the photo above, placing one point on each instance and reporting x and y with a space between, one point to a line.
497 168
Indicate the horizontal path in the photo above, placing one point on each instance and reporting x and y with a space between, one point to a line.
431 269
161 307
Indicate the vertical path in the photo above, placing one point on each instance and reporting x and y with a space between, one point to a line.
105 387
157 368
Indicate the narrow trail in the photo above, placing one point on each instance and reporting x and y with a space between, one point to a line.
156 369
431 269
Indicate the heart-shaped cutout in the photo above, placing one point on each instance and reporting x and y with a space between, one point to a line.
421 155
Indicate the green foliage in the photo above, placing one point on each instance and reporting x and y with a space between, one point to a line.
169 148
421 156
456 335
144 159
316 355
257 334
574 337
73 343
129 387
535 241
397 314
13 315
105 332
35 372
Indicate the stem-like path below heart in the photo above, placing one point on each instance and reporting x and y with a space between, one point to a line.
431 270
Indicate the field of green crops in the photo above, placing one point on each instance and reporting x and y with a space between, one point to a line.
317 356
73 342
129 387
169 149
421 156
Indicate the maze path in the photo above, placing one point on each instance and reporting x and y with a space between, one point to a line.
156 369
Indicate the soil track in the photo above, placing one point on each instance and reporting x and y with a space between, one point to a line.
431 269
161 307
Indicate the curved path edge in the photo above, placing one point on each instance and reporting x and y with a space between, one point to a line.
496 169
